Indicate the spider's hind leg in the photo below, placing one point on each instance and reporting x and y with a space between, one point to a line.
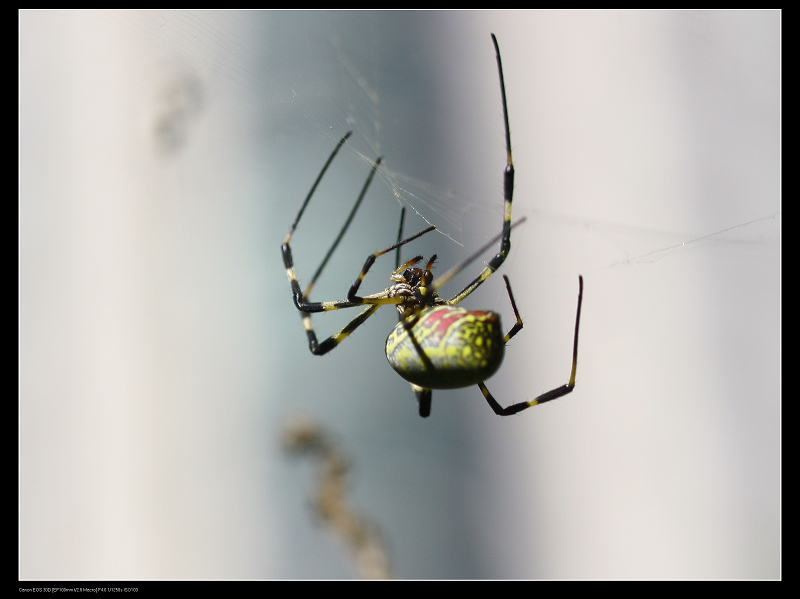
552 394
424 398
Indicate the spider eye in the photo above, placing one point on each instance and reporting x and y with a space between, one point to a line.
412 275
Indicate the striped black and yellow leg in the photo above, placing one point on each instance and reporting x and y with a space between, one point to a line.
508 196
314 187
550 395
320 349
517 325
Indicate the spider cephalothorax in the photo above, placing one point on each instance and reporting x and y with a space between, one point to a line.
436 344
414 286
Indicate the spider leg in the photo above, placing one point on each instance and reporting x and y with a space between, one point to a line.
518 325
550 395
345 227
424 395
424 399
508 196
314 187
399 237
320 349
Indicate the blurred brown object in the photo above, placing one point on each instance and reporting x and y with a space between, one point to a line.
362 537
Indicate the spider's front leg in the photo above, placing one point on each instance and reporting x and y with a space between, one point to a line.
300 297
378 299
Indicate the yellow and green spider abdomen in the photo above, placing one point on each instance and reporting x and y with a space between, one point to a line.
447 348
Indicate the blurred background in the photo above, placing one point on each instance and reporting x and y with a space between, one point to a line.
163 155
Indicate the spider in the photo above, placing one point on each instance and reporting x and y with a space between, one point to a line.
435 345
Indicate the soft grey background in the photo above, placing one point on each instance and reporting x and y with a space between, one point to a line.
163 155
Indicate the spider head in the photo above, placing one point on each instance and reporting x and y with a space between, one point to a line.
414 285
419 278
